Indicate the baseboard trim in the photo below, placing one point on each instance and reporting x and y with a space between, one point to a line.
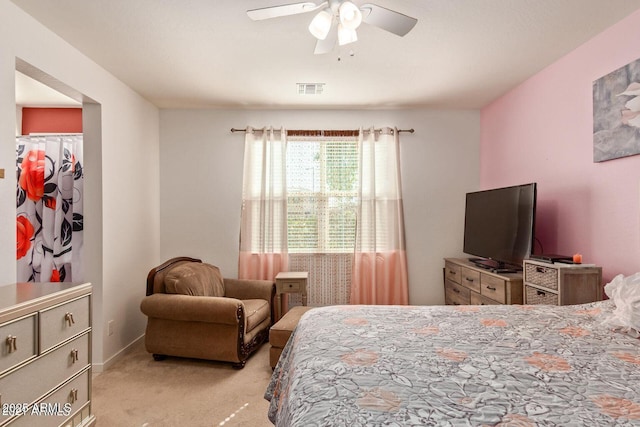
101 367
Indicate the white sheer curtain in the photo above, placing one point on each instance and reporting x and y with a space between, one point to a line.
380 261
263 228
49 217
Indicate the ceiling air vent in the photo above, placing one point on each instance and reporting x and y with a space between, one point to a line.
310 88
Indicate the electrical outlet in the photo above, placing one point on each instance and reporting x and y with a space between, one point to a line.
110 327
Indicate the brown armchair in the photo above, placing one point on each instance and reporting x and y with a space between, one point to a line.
193 312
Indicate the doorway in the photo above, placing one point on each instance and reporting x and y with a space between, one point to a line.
92 147
50 184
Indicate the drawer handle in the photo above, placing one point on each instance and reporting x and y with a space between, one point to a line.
12 343
74 355
468 279
491 288
457 291
452 272
541 270
540 293
69 318
73 395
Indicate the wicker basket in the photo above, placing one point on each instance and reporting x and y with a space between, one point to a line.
541 276
534 296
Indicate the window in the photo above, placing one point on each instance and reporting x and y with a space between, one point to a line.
322 191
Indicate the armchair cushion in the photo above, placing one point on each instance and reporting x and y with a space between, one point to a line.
197 279
256 311
188 308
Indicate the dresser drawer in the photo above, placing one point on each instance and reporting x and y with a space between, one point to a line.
67 400
477 299
541 276
32 381
535 296
452 272
60 323
494 288
456 294
18 342
470 279
289 286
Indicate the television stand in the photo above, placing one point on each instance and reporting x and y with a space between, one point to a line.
467 283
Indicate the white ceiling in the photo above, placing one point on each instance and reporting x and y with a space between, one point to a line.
208 53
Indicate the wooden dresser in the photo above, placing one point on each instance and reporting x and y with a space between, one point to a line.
465 283
45 356
561 284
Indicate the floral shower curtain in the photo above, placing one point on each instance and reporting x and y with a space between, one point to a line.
49 208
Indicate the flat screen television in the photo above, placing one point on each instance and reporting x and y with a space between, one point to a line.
499 226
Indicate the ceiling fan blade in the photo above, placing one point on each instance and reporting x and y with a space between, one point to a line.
389 20
327 45
283 10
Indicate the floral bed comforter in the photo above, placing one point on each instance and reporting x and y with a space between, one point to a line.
457 366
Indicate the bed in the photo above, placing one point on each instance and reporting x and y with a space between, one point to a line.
457 366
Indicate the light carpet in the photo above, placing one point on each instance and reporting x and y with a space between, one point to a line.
139 391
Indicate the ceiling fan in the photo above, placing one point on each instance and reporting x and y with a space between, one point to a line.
338 20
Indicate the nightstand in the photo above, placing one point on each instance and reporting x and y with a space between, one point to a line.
290 282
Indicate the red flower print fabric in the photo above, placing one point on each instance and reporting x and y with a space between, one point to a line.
49 203
24 234
32 174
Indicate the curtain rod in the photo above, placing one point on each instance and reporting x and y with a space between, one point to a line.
349 130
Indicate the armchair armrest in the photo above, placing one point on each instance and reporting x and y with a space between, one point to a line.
220 310
249 289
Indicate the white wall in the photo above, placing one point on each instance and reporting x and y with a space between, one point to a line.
18 120
201 181
121 165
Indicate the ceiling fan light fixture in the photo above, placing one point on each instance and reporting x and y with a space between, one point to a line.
350 15
346 35
336 21
321 24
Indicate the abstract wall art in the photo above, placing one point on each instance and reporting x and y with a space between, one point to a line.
616 114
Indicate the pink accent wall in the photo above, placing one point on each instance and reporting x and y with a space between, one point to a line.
541 131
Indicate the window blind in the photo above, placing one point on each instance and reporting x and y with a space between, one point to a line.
322 190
